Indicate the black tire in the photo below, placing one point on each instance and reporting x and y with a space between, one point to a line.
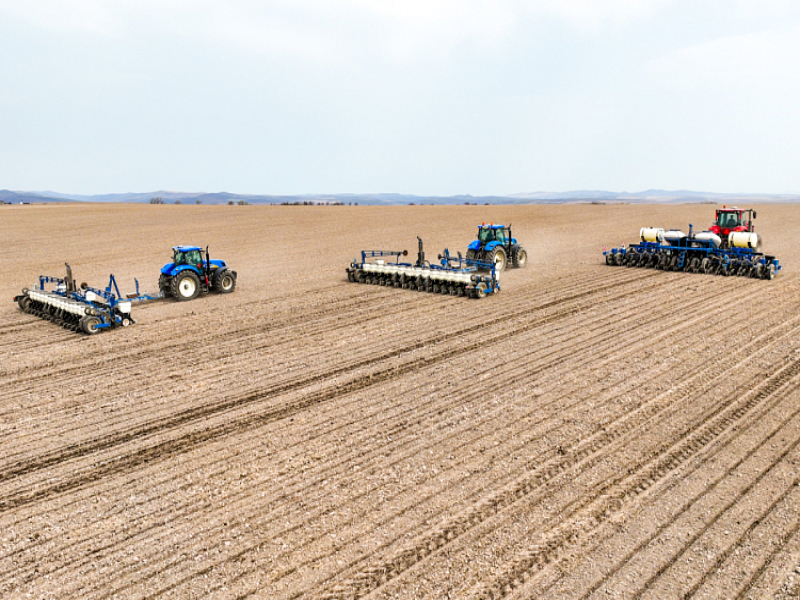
185 286
24 303
610 259
520 257
225 281
89 324
498 257
165 284
472 255
480 290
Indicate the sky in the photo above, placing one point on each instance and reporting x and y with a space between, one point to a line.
427 97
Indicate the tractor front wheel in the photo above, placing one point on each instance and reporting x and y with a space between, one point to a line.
225 282
186 285
498 257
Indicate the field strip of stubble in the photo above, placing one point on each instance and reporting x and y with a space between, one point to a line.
404 512
365 366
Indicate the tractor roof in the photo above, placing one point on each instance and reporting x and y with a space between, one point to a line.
491 226
186 248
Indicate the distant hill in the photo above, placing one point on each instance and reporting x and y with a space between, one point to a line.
9 197
169 197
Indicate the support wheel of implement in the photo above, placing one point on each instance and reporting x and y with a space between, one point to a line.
498 257
225 282
24 303
769 272
610 259
520 257
186 285
165 284
480 290
89 324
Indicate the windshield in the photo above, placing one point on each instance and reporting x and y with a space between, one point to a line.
728 220
193 257
486 235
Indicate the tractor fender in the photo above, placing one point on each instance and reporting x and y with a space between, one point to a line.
167 269
476 245
491 246
179 268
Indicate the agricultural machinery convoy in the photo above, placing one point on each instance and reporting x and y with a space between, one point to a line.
496 245
729 247
456 276
91 310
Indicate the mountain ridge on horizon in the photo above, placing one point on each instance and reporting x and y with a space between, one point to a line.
394 198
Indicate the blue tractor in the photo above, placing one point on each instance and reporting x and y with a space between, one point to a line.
496 245
190 274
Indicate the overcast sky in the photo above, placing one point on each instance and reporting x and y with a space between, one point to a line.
412 96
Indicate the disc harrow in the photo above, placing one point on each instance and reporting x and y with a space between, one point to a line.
454 276
702 252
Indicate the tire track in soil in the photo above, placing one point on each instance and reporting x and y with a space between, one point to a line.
244 551
613 500
746 589
235 337
170 448
437 540
622 563
641 324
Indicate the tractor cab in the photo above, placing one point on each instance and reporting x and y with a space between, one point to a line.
493 233
495 244
188 255
733 219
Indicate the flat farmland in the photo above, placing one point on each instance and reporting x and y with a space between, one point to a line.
588 432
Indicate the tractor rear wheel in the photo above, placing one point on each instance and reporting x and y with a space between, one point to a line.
471 255
186 285
520 257
225 282
498 257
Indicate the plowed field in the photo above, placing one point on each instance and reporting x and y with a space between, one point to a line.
589 432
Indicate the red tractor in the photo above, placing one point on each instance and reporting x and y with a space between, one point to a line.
732 219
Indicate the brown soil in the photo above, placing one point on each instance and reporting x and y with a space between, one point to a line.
589 432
